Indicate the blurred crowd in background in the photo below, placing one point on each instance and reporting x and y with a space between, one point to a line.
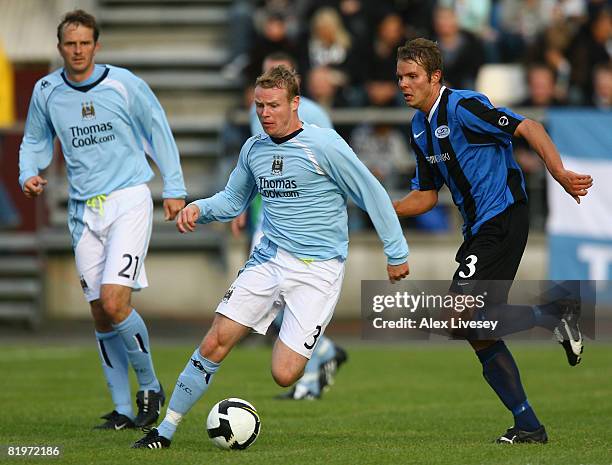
346 55
546 53
346 48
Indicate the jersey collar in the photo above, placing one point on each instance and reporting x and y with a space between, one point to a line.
436 103
89 85
280 140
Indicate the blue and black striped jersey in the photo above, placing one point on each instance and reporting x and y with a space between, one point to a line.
466 143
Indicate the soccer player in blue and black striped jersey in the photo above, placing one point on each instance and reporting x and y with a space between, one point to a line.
460 139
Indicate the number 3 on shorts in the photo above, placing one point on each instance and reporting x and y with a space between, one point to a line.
470 262
315 337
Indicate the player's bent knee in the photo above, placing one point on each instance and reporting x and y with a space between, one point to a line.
285 378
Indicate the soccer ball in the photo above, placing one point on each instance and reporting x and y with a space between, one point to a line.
233 424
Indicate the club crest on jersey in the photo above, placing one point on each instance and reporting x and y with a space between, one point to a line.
442 132
503 121
44 84
277 165
88 111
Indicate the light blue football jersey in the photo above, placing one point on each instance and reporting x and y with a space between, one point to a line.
310 112
105 125
304 182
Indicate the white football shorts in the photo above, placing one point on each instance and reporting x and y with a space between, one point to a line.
110 237
273 279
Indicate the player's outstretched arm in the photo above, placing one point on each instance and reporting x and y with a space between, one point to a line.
172 207
416 203
187 217
34 186
575 184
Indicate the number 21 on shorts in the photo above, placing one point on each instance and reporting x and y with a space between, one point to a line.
124 272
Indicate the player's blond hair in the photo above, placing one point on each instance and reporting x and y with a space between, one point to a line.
280 77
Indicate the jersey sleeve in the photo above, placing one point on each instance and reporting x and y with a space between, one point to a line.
341 164
159 141
318 116
36 151
478 115
238 193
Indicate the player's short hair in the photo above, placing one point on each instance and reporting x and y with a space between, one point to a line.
78 17
282 78
282 56
423 52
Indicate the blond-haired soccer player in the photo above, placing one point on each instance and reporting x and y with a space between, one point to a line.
304 175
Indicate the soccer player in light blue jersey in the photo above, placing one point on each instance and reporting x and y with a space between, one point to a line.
106 120
305 175
327 357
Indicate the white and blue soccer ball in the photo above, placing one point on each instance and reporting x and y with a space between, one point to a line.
233 424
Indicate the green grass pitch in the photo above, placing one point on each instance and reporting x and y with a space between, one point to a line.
392 404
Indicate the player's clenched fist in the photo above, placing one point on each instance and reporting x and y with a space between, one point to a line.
172 207
187 217
397 272
34 186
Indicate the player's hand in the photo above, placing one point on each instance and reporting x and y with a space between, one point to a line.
186 218
238 224
172 207
576 185
34 186
398 272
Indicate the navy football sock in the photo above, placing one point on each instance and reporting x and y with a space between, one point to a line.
501 372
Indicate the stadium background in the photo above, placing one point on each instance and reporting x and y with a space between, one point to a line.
199 57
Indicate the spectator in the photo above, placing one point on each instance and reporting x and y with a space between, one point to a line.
520 22
330 44
417 15
462 52
381 86
472 15
550 47
326 86
273 38
590 48
541 87
542 94
602 86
